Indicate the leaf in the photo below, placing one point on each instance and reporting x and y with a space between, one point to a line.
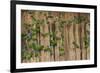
36 54
61 51
23 36
79 19
75 44
34 21
53 43
33 46
47 49
40 47
36 30
86 41
34 38
30 46
26 55
37 47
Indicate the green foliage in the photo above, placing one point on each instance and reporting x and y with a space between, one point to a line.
34 21
37 47
68 22
63 22
61 51
26 37
75 45
53 43
37 21
47 49
26 55
23 36
34 30
52 34
36 54
78 19
86 41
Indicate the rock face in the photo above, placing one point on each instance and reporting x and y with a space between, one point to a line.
54 36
